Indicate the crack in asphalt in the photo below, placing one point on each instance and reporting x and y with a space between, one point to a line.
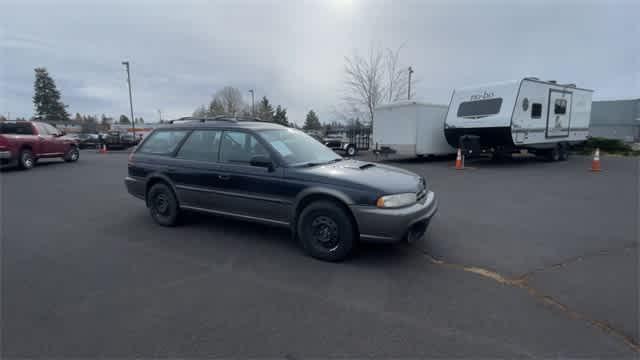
572 260
522 282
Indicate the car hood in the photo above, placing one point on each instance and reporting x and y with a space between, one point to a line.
381 178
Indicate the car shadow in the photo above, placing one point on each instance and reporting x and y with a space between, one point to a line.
41 163
365 254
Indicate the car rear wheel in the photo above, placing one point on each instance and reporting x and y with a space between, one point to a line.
72 154
163 205
351 150
26 160
326 231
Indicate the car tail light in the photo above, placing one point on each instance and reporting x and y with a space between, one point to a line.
131 156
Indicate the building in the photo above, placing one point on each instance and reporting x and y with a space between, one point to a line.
616 119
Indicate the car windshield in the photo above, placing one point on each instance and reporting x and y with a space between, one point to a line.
298 148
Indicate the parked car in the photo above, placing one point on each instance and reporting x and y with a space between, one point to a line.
22 143
88 141
276 175
119 140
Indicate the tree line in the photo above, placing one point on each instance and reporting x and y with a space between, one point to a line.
229 101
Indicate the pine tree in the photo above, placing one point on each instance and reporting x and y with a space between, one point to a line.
312 122
265 110
124 119
280 116
46 98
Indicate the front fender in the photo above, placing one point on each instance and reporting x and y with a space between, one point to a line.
317 192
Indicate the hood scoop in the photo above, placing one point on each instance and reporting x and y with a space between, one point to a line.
359 167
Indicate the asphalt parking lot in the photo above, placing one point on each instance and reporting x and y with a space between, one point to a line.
524 259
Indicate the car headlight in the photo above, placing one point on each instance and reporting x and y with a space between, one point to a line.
397 200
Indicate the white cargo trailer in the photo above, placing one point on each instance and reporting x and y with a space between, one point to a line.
410 128
543 117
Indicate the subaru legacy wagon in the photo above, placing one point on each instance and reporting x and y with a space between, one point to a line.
268 173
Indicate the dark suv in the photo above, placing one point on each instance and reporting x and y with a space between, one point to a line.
272 174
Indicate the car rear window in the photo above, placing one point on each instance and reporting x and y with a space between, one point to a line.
479 108
162 142
17 128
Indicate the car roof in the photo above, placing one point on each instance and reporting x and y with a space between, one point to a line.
224 123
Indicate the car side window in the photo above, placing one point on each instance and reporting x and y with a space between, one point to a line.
162 142
51 130
42 130
238 147
201 145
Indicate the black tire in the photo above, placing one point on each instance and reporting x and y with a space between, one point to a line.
564 152
351 150
553 154
326 231
163 205
72 154
26 160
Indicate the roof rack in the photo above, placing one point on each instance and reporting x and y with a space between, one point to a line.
230 118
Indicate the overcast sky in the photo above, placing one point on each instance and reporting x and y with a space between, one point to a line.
293 51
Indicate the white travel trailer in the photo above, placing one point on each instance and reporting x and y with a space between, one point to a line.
543 117
410 128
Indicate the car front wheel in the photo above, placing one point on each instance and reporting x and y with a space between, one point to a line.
326 231
163 205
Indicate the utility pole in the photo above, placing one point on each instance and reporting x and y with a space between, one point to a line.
409 88
133 126
253 107
160 115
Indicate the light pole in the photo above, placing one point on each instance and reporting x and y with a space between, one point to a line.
253 108
409 88
133 126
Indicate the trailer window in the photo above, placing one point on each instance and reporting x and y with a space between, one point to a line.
479 108
536 111
560 107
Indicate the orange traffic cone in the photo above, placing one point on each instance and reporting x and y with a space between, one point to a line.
595 164
459 161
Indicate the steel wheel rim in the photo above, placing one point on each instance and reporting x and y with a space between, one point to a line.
161 204
74 154
325 234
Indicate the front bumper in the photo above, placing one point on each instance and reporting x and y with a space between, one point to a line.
394 225
5 154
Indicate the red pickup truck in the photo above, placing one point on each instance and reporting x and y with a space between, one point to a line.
22 143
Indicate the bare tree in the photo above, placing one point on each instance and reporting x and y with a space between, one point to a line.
364 82
370 81
231 100
397 76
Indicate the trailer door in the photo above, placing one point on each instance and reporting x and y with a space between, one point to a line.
559 113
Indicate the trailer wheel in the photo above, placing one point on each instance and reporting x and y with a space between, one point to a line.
564 152
553 154
351 150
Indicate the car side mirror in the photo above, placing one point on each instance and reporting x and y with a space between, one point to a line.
261 161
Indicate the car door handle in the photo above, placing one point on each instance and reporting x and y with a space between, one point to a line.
224 177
